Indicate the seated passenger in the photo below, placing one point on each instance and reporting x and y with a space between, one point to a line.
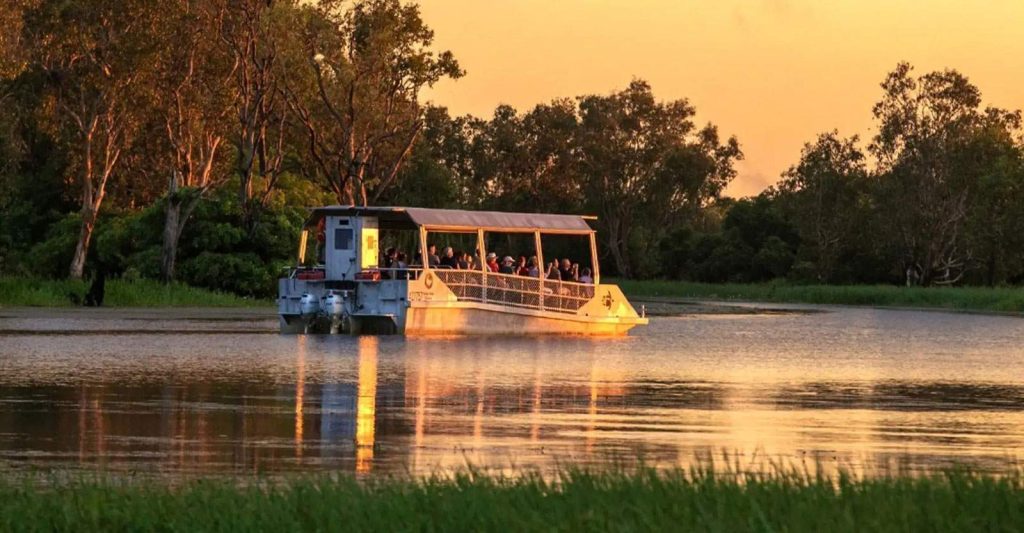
389 262
586 277
531 268
568 271
492 261
401 266
432 255
553 273
521 268
464 261
507 266
449 258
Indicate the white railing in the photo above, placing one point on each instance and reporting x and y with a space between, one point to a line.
516 291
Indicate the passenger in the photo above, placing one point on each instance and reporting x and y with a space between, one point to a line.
449 258
507 266
389 262
492 262
464 261
586 277
553 273
531 268
568 271
401 266
432 256
388 257
521 268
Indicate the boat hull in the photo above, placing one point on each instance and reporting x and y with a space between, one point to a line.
427 305
483 320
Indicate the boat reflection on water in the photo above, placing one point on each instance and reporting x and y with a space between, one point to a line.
910 388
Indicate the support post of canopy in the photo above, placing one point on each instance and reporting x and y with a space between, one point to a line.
540 269
302 247
593 259
424 249
481 248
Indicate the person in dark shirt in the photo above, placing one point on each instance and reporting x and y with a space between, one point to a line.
390 255
568 272
449 259
507 266
432 256
464 261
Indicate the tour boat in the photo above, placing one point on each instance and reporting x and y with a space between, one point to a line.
348 289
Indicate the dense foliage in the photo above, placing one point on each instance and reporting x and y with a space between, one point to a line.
182 140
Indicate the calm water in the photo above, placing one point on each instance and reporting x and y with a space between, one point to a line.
185 392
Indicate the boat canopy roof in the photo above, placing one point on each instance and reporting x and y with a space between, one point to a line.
458 220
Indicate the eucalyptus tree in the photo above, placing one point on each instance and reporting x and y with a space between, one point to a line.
994 227
822 194
193 95
929 163
644 164
250 32
93 54
355 91
529 162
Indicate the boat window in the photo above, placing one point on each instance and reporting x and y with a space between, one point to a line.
343 239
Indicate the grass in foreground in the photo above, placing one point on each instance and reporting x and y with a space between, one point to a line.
119 293
999 299
576 501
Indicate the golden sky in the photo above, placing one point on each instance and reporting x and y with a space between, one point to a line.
775 73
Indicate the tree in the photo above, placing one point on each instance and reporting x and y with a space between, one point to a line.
929 166
92 52
192 93
643 164
530 162
821 195
994 226
439 170
250 33
357 93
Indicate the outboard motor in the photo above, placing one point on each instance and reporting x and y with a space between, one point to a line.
309 306
334 309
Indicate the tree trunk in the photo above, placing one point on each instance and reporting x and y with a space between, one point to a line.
82 248
614 246
169 250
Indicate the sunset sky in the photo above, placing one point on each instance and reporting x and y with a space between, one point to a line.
772 72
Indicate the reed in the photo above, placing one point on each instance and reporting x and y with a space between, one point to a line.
19 291
575 500
987 299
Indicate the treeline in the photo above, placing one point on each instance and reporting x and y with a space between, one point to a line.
183 139
935 197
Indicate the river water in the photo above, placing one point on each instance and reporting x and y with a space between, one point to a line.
188 392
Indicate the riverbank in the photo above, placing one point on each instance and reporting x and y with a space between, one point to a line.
29 292
980 299
576 501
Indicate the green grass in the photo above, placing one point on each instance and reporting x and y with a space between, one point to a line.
640 500
999 299
15 291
